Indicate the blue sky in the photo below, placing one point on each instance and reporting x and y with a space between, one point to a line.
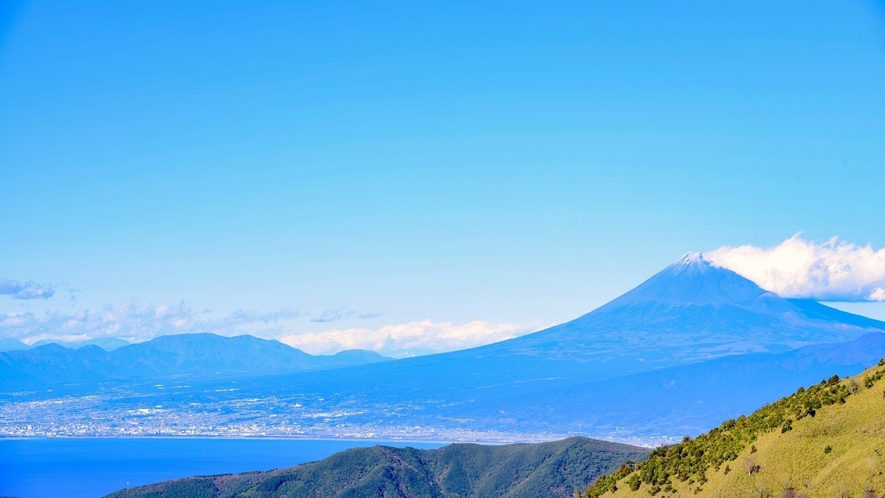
374 164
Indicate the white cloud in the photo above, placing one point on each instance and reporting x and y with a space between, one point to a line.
138 323
407 339
131 322
831 271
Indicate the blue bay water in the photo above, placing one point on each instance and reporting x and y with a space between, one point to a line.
93 467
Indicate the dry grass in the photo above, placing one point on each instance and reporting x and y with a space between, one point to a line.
796 463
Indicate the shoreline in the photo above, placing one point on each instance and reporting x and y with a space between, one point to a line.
644 443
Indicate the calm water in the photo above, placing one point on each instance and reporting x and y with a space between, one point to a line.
86 468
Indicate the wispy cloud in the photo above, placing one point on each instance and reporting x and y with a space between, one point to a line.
829 271
334 315
132 322
412 338
25 290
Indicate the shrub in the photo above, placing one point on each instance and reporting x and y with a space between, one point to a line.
634 482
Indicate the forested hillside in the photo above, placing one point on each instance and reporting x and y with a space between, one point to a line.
555 469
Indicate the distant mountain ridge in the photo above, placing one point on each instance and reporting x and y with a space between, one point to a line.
183 355
10 344
106 343
555 469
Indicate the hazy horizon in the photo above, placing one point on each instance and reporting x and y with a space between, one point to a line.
452 174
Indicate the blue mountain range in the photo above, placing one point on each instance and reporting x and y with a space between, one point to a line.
693 345
181 356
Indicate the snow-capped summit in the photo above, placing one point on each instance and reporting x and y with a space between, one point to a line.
693 280
691 258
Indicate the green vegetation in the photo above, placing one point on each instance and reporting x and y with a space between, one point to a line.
555 469
202 487
844 431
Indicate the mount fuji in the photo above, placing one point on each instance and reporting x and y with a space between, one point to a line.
691 311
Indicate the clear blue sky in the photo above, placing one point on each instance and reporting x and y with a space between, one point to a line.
507 162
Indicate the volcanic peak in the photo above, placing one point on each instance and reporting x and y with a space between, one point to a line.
693 280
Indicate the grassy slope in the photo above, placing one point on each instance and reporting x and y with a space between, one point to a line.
791 463
551 469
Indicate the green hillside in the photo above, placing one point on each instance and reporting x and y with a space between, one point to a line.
555 469
826 441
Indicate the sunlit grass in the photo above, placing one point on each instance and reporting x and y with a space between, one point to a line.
826 441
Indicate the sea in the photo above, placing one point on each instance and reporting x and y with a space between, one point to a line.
95 467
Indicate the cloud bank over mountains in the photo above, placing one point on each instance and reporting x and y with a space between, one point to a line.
136 323
132 322
831 271
413 338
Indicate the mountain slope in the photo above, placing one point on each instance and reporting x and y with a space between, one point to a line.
185 355
690 311
9 344
827 440
675 401
689 399
524 470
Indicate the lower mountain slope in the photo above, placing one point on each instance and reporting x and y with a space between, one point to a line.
671 402
555 469
825 441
